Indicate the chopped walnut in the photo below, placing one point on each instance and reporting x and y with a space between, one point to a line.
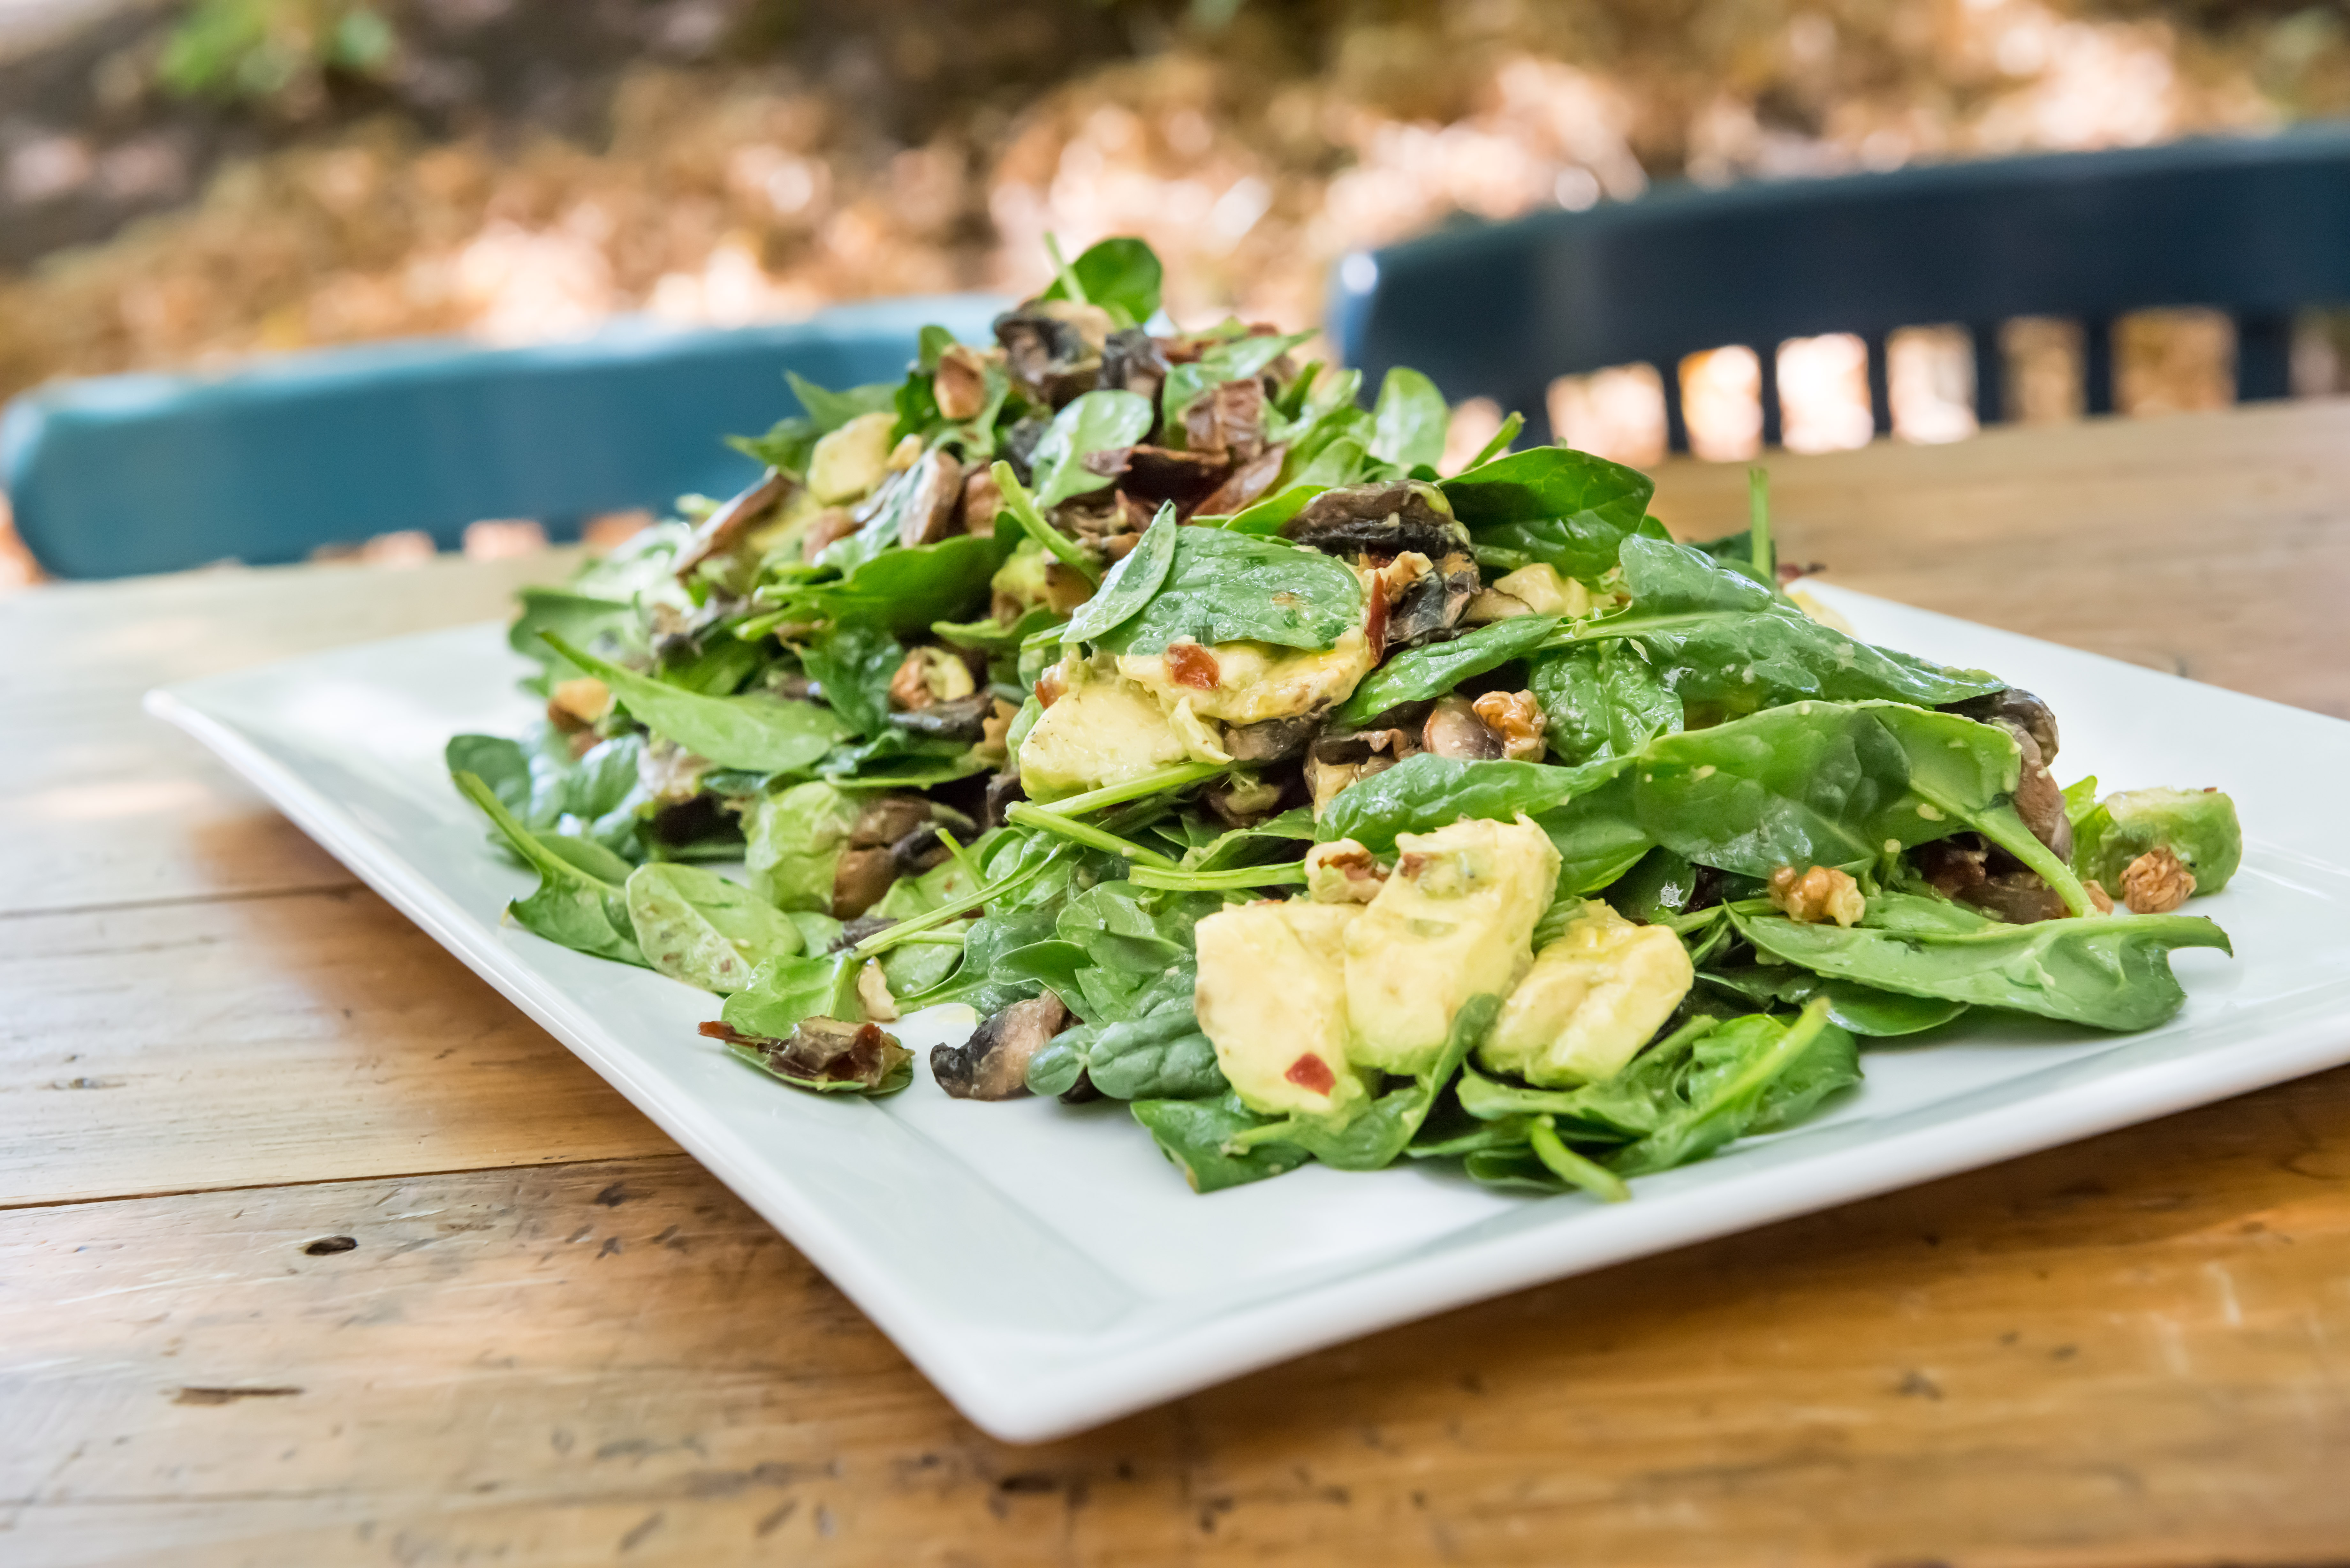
1817 895
1342 872
1512 716
2098 895
961 385
2156 883
573 705
996 729
873 993
981 500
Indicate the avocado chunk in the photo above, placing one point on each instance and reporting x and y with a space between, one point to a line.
2200 826
1272 999
852 460
1250 682
1454 920
1592 999
1096 731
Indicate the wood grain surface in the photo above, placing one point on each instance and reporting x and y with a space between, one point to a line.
319 1252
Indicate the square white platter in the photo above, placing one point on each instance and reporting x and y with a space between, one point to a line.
1048 1270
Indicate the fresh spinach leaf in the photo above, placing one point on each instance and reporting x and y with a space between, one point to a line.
1431 670
852 663
695 926
1129 584
2106 971
1852 1006
831 409
1552 505
1224 587
758 732
1233 359
1412 419
1093 421
1196 1135
1122 274
1750 1074
784 993
588 619
1268 516
1372 1139
570 907
1602 700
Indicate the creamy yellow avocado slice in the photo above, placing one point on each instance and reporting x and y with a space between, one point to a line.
1101 729
1455 919
1249 682
1592 998
1271 998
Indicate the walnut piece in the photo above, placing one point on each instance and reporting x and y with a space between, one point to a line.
573 705
1512 716
2157 882
1817 895
2098 895
960 384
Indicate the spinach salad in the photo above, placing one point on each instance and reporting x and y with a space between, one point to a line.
1147 694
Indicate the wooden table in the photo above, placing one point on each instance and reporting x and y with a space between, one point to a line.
314 1251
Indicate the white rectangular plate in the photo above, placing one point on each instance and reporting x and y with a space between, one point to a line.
1049 1270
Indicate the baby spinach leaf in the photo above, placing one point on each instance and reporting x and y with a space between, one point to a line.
1723 637
1412 419
852 663
903 588
1597 835
498 762
784 993
761 734
1129 584
695 926
1267 517
1090 422
1424 792
1431 670
1122 274
831 409
1750 1075
579 617
570 907
1224 587
1341 462
1860 1008
1553 504
1160 1055
1372 1139
1602 700
2106 971
1194 1134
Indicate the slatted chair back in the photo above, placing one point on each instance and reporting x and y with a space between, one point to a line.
126 474
2257 228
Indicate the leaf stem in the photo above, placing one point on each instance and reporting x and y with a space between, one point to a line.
1572 1168
1063 271
2005 828
1290 876
1087 834
1151 784
949 912
1758 515
1023 507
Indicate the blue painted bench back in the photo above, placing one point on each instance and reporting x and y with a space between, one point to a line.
123 474
2257 228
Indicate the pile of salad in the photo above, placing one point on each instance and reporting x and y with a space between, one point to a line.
1143 693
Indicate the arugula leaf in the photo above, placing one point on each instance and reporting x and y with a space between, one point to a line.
1412 419
1129 584
2108 971
571 906
1092 421
1554 505
1122 274
1224 587
758 732
1602 700
695 926
1431 670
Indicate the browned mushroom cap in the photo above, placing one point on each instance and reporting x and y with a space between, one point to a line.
1453 730
1228 420
886 818
960 719
2017 708
724 529
1434 603
1269 740
1381 519
859 878
935 484
1249 482
824 1051
1157 474
992 1064
2037 799
1133 362
1050 358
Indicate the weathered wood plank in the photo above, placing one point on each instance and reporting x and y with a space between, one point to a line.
2214 546
304 1037
106 805
2125 1350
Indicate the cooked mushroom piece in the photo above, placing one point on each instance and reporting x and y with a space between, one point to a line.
1247 482
2017 708
724 529
1432 604
1155 473
935 486
963 719
918 851
859 877
992 1064
1269 741
1228 420
1453 730
1131 362
1049 356
1383 519
886 818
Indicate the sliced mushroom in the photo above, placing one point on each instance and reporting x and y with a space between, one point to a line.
1249 482
1431 606
935 488
823 1051
1156 474
1003 793
918 851
1228 420
962 719
1048 356
832 525
992 1064
859 878
1133 362
1268 740
2037 799
1019 446
724 528
1381 519
2016 707
1453 730
886 818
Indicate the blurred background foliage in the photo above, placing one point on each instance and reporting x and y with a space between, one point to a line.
190 183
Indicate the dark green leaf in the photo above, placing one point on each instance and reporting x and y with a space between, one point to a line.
1412 419
1122 274
1233 359
1602 700
829 410
1224 587
693 925
1090 422
1861 1009
768 734
570 907
1193 1133
1129 584
1419 673
1553 504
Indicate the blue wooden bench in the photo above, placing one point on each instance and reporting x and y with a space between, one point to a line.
124 475
2258 229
